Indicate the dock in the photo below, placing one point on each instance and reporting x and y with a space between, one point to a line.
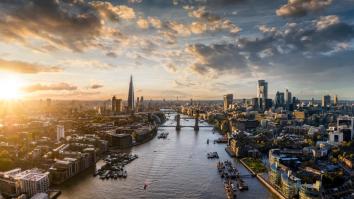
53 194
231 154
263 181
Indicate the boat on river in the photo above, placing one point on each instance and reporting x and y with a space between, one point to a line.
230 194
213 155
114 166
241 185
162 135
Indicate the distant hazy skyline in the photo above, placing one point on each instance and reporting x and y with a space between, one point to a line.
200 49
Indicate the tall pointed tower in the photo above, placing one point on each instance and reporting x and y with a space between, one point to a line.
131 95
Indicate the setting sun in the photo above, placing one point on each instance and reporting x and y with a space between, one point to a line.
10 87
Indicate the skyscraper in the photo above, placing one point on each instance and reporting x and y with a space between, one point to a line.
279 99
142 103
313 101
335 100
228 99
114 104
119 105
137 105
262 92
60 132
131 95
326 101
288 97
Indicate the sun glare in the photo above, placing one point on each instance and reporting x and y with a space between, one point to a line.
10 87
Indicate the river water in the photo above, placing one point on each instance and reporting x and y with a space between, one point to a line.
175 167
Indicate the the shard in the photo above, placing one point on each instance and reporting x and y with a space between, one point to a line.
131 95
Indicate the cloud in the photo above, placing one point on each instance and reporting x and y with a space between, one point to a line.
113 12
55 24
25 67
210 22
88 63
111 54
325 22
143 23
135 1
217 57
74 94
50 87
201 13
184 83
292 50
302 7
96 86
209 3
170 67
205 22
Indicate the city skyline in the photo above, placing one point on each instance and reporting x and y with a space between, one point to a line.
86 50
137 99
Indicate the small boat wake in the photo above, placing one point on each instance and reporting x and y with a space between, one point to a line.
147 183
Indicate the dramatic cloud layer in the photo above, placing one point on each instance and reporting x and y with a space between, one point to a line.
177 47
24 67
72 24
312 47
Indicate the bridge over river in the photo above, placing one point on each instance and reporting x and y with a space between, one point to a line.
178 118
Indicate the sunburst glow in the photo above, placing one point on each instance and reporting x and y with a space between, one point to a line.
10 87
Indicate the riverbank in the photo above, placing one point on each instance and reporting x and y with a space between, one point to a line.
263 180
172 168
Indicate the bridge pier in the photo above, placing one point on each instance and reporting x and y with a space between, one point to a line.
196 125
178 119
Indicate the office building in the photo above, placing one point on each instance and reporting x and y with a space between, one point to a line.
120 140
137 105
254 103
326 101
142 103
262 93
60 132
310 191
114 104
345 124
228 99
268 103
72 163
8 185
131 95
288 97
33 181
335 100
336 137
279 99
119 105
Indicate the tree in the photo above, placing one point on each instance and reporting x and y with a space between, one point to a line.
6 163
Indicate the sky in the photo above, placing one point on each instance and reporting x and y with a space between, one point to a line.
200 49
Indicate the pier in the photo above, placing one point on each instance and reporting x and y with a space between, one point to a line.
186 126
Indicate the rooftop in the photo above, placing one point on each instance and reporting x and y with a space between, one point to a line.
32 175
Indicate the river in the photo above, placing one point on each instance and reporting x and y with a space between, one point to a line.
176 167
